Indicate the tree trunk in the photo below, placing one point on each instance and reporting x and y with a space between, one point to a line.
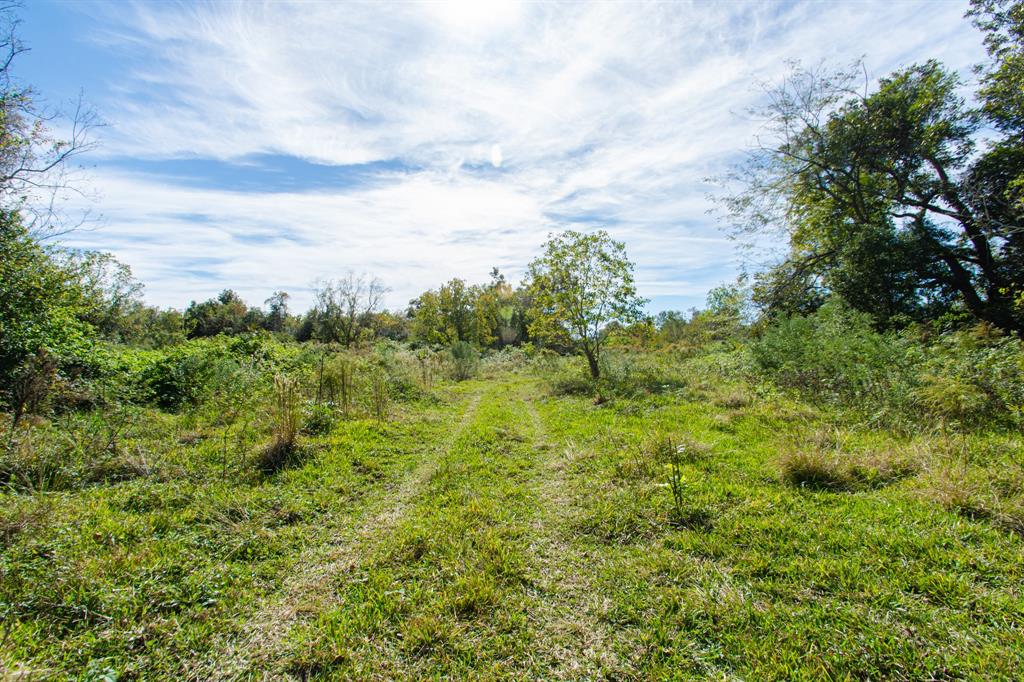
595 371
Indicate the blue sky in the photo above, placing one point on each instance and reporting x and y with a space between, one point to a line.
263 146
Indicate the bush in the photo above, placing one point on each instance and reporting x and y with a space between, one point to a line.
319 419
181 376
508 359
465 360
973 375
833 354
81 450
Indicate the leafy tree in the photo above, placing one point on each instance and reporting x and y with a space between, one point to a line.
276 319
457 312
882 198
671 326
151 327
225 314
41 309
456 302
111 294
580 284
34 165
344 307
999 175
1002 81
389 325
505 309
427 325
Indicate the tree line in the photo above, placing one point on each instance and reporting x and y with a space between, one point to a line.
903 202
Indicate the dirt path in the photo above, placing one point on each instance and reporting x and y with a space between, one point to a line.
254 656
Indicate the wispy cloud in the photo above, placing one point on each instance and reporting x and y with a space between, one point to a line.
484 126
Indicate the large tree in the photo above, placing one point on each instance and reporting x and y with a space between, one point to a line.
344 307
578 286
884 198
45 304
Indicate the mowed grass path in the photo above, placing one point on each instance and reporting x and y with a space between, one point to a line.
506 534
541 546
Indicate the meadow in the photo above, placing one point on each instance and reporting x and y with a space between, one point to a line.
540 474
694 522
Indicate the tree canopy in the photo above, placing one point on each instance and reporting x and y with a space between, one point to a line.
579 285
884 196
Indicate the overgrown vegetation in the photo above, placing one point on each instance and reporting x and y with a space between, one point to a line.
819 475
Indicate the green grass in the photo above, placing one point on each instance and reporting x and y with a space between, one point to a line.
496 531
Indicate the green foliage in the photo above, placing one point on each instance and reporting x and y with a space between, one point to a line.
973 376
883 199
834 354
111 297
83 449
581 283
41 309
183 375
225 314
480 315
465 360
1002 81
318 419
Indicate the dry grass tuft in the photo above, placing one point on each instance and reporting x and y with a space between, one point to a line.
285 416
823 463
733 399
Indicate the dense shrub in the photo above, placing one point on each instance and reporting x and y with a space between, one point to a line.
833 354
973 375
182 375
465 360
508 359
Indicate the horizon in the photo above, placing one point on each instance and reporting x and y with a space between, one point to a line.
248 144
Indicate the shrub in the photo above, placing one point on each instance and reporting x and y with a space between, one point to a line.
833 354
973 375
508 359
465 360
181 376
319 419
81 450
336 382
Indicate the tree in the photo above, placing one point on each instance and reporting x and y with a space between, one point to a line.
504 309
580 284
671 326
1002 81
882 197
276 319
41 321
34 165
457 312
225 314
112 295
345 307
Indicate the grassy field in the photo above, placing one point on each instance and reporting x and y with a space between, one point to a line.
496 530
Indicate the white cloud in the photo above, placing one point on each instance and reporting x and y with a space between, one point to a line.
605 112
